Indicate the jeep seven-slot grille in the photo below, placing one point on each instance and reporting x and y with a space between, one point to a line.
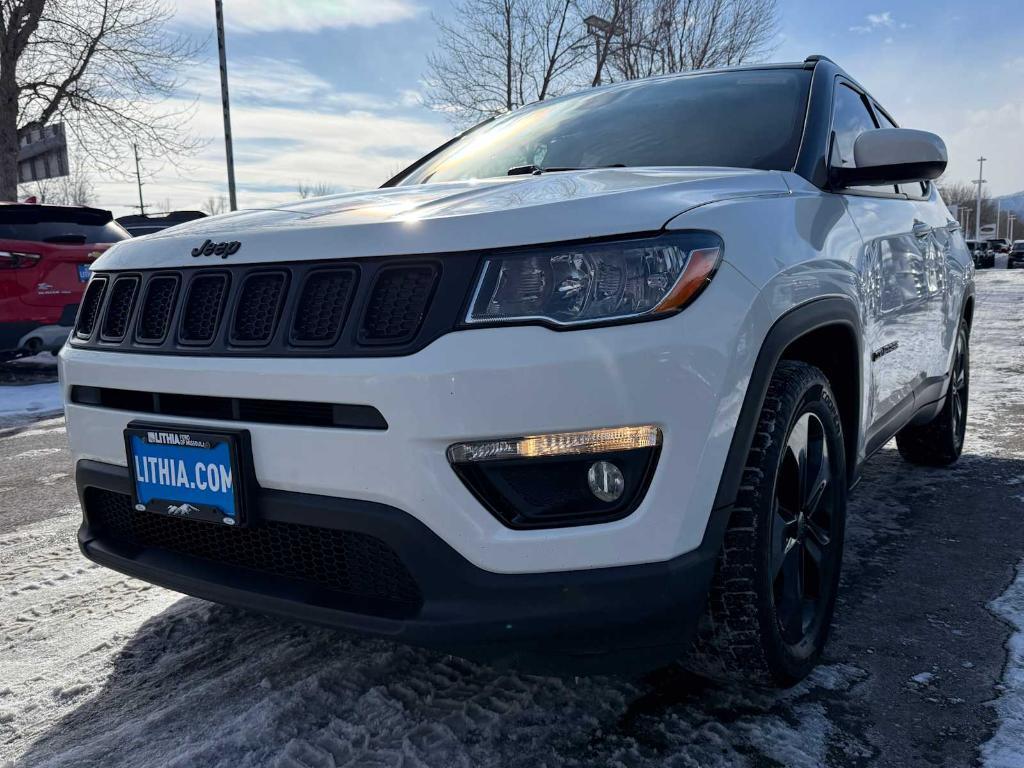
391 306
322 305
89 311
362 572
119 308
155 319
203 307
397 303
258 306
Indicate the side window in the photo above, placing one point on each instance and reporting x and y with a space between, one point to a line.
850 118
916 189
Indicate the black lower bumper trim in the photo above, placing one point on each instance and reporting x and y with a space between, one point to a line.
625 618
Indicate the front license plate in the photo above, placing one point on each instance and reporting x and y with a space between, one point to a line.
186 473
83 273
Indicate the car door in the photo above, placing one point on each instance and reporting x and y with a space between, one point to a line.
894 274
938 237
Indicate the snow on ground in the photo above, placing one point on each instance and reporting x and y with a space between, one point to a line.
1006 747
32 401
996 384
96 653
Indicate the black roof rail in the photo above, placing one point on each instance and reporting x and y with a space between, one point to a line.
814 58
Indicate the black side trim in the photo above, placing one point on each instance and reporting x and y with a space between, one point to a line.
787 329
901 173
289 412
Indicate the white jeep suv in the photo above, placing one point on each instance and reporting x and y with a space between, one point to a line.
587 385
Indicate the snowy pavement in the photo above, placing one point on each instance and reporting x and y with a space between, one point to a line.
97 669
29 390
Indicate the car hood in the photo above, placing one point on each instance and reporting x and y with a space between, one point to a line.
450 217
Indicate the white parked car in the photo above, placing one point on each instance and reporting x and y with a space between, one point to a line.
549 389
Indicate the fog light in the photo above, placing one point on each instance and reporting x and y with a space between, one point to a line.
563 478
605 480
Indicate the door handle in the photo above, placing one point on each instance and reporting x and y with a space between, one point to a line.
921 229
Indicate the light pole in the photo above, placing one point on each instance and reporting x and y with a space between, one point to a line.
228 149
1009 226
977 211
601 29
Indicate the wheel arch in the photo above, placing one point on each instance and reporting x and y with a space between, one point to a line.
825 332
967 310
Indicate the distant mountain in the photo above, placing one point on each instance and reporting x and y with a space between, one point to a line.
1014 202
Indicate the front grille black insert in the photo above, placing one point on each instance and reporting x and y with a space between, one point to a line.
364 572
375 307
323 304
89 311
397 304
259 303
288 412
203 308
157 308
119 308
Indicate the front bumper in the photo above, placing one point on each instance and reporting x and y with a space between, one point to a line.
686 375
624 619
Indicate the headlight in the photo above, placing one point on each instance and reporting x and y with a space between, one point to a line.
595 282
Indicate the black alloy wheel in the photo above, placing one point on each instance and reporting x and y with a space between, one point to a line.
802 549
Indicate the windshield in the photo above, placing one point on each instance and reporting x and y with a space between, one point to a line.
739 119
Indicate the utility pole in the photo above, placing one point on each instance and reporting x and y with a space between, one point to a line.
967 222
228 149
979 181
1009 227
138 179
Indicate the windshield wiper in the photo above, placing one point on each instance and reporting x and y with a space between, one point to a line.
536 170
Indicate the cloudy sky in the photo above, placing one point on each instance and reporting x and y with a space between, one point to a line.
328 90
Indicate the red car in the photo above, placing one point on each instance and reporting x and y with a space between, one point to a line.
45 252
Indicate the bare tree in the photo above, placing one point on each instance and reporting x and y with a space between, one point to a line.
664 36
964 194
497 55
215 205
314 189
106 68
500 54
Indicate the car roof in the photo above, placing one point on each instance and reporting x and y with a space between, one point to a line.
809 63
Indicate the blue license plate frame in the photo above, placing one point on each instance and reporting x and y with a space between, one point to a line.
191 473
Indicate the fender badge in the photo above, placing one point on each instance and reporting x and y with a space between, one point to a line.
210 248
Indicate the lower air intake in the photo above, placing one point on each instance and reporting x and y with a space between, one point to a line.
362 570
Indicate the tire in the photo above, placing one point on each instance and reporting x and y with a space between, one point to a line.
940 442
754 628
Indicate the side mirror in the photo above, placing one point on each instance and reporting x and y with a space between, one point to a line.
893 156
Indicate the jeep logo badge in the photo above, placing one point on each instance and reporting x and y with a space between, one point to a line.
210 248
